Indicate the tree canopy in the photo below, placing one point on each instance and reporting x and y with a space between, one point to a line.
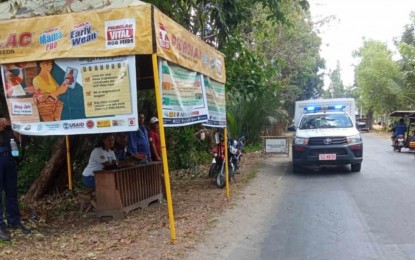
378 76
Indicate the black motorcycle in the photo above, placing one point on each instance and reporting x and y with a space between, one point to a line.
236 157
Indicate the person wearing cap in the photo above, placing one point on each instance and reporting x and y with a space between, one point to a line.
8 183
154 138
155 144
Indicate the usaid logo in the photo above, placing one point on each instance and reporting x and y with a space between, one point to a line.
68 126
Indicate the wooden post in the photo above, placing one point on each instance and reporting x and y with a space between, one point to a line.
225 133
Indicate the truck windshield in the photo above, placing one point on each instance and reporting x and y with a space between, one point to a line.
325 121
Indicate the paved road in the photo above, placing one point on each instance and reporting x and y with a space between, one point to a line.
328 213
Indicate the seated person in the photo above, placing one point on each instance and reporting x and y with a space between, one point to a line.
125 157
101 157
120 146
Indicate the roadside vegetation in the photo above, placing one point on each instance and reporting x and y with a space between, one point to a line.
384 77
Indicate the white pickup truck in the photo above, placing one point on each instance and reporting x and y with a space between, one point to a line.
326 134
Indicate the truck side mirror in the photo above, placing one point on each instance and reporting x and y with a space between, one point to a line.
292 128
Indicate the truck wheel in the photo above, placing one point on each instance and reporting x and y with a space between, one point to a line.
356 167
296 168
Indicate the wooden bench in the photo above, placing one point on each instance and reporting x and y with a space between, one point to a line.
123 190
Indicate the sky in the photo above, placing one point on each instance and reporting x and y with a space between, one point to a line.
381 20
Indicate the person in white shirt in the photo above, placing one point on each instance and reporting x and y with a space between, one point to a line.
101 157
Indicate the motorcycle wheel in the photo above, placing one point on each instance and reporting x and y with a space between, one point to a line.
214 170
220 179
399 148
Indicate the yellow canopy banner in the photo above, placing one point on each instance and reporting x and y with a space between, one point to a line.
176 44
98 33
127 30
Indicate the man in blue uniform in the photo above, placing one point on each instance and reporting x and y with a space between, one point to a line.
8 183
138 142
399 129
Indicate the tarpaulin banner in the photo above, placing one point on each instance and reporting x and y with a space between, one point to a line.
72 96
183 96
215 95
176 44
97 33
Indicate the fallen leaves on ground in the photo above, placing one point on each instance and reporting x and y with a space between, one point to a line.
60 231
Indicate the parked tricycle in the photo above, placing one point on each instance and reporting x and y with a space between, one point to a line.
409 119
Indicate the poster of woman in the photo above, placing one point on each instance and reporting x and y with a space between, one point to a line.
47 92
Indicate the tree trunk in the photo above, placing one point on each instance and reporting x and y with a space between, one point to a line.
369 122
53 167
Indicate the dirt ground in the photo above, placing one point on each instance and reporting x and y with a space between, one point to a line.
61 232
242 229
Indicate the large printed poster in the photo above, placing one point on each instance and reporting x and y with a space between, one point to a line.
72 96
215 95
183 96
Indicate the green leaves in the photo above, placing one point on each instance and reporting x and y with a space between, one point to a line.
379 78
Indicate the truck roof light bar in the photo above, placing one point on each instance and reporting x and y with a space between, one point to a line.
313 109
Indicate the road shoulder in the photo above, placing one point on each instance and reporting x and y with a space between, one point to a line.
244 225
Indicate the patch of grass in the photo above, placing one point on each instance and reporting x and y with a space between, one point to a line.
254 147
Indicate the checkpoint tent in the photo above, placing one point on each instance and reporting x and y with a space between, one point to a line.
94 61
89 41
